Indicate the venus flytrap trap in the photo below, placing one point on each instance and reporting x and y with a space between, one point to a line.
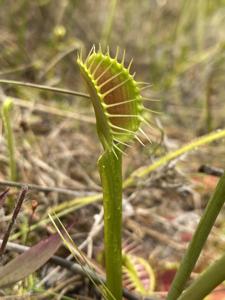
115 96
138 275
118 106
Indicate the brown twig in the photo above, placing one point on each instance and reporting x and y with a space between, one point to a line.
3 196
41 188
14 216
211 170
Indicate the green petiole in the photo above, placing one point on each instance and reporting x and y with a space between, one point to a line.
110 169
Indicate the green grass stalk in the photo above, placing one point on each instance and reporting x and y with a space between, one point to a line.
200 236
6 108
144 171
108 26
206 282
44 88
110 168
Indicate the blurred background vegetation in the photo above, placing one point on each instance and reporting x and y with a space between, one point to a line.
177 46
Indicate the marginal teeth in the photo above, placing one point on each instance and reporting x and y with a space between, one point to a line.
142 131
118 141
128 68
121 128
89 54
150 100
145 87
91 64
117 52
123 57
118 148
139 140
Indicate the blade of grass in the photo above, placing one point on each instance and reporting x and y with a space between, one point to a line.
45 189
78 255
200 236
6 108
203 140
44 88
107 28
206 282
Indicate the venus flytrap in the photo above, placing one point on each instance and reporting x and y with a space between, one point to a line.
138 275
117 102
118 107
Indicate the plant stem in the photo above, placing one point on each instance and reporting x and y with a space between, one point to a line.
195 247
206 282
110 168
